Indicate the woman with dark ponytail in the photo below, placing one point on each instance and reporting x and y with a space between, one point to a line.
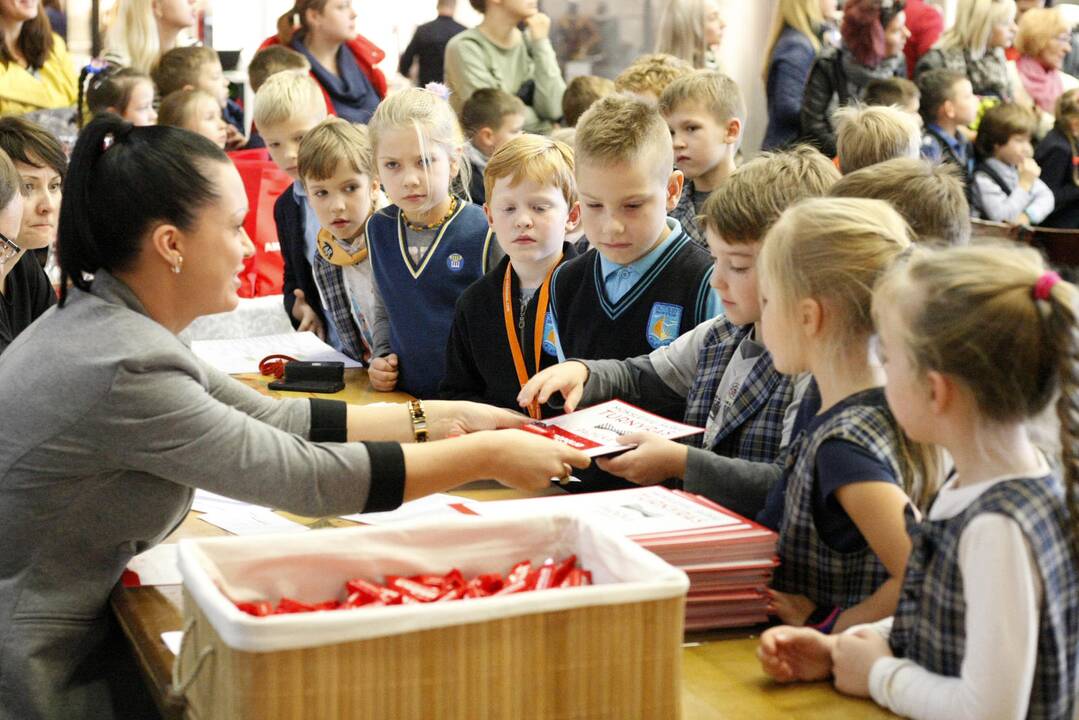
976 342
343 63
119 422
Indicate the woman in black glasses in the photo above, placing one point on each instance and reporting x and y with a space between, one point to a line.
25 291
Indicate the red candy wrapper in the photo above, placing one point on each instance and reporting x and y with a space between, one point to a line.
426 588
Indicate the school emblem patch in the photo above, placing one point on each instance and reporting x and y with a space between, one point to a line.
455 262
663 324
550 339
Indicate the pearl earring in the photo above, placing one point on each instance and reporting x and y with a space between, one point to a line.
177 264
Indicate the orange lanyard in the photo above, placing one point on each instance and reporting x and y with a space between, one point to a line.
511 327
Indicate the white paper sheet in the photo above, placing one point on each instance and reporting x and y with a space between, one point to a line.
156 566
208 502
431 506
252 521
638 511
597 430
242 355
172 640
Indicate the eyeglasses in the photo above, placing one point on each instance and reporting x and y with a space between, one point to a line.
8 249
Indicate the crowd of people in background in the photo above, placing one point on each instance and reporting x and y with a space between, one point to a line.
486 236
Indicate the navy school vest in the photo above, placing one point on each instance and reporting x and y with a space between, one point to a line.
669 299
420 297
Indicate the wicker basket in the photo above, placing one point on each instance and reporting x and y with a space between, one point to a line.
612 650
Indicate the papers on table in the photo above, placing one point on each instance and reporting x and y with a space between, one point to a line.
252 520
208 502
242 355
432 506
156 566
729 559
597 430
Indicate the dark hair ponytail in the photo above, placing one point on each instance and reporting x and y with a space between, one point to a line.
123 180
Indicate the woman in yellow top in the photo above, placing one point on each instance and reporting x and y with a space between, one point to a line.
36 72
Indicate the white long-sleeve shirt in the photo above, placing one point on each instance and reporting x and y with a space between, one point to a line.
1003 593
992 203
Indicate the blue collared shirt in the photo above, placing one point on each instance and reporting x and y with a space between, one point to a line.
311 229
620 279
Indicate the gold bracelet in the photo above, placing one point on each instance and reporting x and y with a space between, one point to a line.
419 420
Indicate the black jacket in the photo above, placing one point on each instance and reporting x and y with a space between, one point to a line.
1054 156
429 46
479 365
288 215
829 88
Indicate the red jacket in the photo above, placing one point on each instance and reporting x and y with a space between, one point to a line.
368 56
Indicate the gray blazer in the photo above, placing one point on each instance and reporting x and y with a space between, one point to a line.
110 424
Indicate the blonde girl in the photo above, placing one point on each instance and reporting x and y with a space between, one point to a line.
196 111
851 475
144 30
429 245
976 342
691 30
126 92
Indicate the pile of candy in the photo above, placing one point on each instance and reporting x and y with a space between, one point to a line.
399 590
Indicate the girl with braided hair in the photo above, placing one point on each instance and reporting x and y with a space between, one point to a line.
976 341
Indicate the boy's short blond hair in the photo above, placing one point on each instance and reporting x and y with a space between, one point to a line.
181 67
868 135
284 95
620 129
711 90
331 142
652 74
751 200
536 158
272 60
930 197
580 94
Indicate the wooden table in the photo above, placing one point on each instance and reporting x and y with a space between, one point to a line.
721 677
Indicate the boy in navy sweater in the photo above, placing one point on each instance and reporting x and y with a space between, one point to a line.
499 336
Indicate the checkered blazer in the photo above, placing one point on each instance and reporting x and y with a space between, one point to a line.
930 620
331 286
753 428
686 214
807 565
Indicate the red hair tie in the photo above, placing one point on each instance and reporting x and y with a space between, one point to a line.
274 365
1045 284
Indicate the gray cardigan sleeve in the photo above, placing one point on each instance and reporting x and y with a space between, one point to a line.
547 102
230 440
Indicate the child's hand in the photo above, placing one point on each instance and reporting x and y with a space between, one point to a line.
306 316
791 609
790 654
538 26
653 460
1028 173
853 656
567 378
383 373
234 139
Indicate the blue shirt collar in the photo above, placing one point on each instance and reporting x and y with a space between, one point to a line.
952 140
642 264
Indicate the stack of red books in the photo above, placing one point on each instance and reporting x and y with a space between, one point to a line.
729 559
